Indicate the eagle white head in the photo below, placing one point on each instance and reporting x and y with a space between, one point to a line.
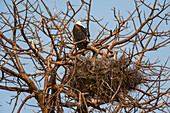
78 22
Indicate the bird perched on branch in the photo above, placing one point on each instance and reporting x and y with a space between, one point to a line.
80 35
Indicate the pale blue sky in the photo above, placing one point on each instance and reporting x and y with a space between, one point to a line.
100 9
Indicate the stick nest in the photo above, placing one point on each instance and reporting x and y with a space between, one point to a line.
104 79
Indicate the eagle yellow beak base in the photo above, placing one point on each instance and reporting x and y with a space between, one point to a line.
75 21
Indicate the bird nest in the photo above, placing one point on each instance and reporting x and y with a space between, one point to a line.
104 79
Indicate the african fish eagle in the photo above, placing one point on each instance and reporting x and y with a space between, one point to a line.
80 35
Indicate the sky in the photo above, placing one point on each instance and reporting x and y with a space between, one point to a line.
100 9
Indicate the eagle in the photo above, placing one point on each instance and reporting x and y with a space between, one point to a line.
80 35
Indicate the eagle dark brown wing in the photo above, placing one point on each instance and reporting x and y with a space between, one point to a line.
79 34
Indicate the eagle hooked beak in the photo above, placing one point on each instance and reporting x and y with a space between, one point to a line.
75 21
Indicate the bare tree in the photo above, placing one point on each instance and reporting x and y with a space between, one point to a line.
108 74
